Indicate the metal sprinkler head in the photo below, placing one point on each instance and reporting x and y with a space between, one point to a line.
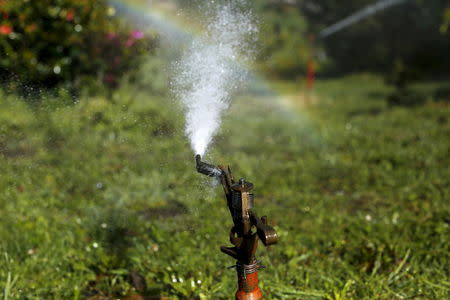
246 231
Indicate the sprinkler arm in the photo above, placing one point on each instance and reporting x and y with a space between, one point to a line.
266 233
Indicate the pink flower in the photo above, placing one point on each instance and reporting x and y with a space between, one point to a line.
137 34
70 15
111 36
129 43
109 78
5 29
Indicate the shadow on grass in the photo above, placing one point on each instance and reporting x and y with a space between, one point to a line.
377 95
117 230
442 94
173 208
372 111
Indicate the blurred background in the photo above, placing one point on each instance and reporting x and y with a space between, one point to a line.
98 194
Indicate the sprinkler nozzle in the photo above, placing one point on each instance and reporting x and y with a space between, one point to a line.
207 169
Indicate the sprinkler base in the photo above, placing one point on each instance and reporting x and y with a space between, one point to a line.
248 283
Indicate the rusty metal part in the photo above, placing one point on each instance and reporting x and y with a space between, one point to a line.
246 231
266 233
244 270
248 286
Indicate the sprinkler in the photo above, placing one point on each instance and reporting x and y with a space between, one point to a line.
247 229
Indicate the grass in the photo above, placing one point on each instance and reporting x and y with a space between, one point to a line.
99 200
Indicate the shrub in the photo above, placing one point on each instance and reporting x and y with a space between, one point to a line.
446 21
285 51
401 77
47 42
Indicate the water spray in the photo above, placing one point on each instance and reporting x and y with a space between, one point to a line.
360 15
209 72
352 19
207 75
247 229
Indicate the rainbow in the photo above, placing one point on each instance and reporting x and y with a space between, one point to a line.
172 26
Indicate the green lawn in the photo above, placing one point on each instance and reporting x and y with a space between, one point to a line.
100 199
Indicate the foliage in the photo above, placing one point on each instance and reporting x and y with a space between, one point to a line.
284 47
401 78
408 32
100 199
49 42
446 21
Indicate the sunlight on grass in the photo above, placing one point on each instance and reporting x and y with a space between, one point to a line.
100 198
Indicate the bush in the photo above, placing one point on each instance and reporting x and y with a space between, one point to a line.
446 21
401 78
285 51
49 42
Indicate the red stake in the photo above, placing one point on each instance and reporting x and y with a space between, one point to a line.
311 74
248 287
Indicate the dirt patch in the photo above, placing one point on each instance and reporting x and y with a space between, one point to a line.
16 150
173 208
